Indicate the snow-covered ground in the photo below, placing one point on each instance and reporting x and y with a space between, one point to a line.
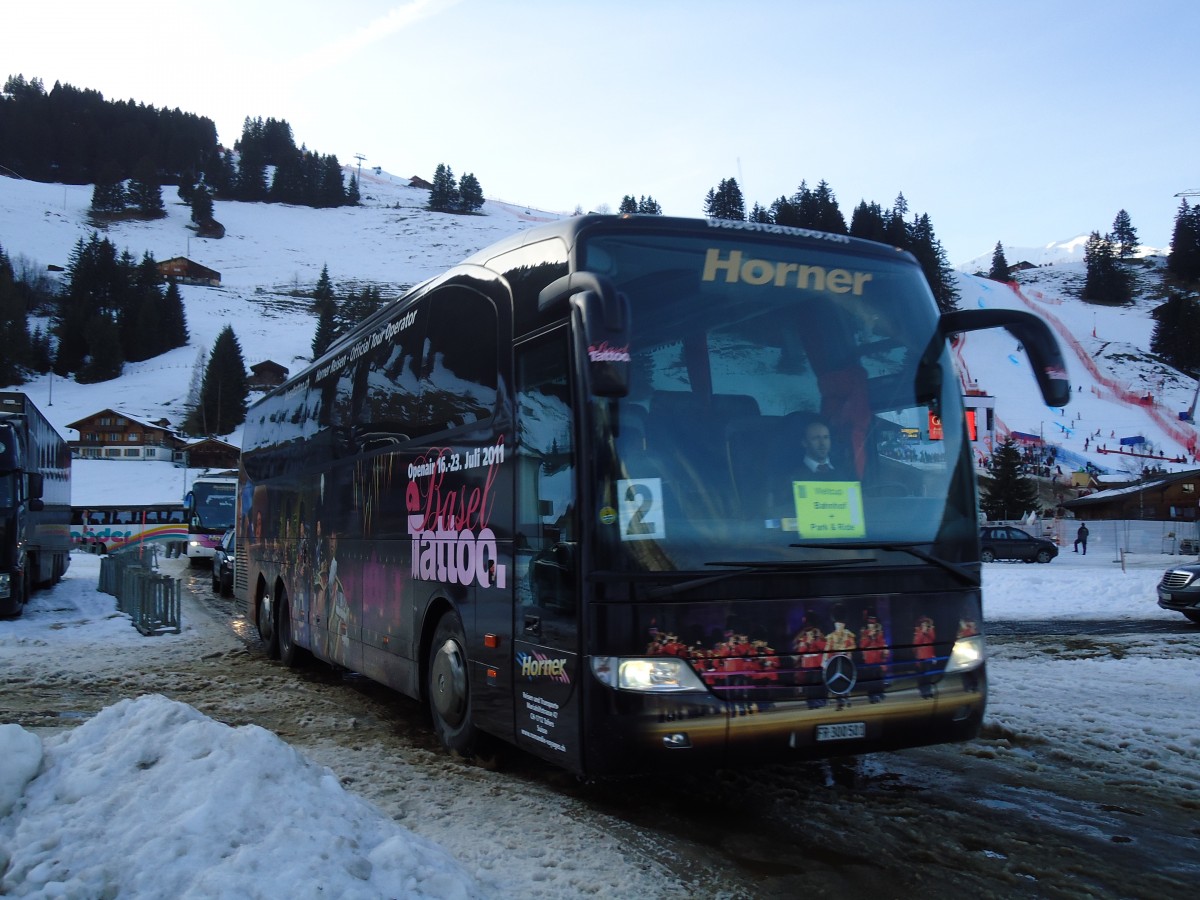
96 810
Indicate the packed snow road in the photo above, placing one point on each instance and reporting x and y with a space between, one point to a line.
1084 784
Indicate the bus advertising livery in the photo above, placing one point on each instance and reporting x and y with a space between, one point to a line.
636 492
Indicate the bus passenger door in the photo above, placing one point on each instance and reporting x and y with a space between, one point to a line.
546 656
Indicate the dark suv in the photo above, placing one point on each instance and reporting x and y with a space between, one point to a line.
222 562
1006 542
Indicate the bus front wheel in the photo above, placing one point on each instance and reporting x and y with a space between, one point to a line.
448 688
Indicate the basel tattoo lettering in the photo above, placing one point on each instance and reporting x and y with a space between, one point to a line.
451 538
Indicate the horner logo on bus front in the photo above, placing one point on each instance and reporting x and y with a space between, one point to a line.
452 541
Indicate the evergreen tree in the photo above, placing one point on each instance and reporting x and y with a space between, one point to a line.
14 327
357 307
999 269
323 292
140 319
145 191
105 360
1124 235
1176 324
759 213
332 187
726 202
223 392
353 197
1006 493
173 319
444 195
895 228
327 330
202 206
1107 281
1184 259
648 206
929 253
826 216
187 187
41 354
867 222
628 205
470 193
108 194
784 212
94 286
192 401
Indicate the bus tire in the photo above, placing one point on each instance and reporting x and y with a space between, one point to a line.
448 688
266 621
290 654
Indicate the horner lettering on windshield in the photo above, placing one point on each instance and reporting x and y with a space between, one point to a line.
735 268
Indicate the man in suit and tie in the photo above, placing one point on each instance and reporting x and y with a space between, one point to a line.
817 443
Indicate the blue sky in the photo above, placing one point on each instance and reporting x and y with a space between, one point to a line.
1022 122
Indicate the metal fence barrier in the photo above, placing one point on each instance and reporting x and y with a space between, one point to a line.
151 598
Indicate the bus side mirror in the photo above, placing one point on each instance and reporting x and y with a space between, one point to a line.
600 314
1045 356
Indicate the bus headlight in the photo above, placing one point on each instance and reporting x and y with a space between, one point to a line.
968 653
658 675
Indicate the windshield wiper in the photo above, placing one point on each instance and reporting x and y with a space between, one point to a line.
742 568
911 549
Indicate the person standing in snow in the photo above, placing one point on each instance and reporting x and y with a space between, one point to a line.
1081 537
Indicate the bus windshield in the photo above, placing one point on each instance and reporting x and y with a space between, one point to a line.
212 506
785 405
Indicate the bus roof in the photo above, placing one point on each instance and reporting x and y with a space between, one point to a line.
570 229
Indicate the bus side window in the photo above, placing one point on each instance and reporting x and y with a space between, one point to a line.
458 360
547 526
391 408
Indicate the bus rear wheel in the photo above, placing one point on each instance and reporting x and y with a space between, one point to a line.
265 620
289 654
448 688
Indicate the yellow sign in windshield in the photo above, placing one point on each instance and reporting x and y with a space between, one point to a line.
829 509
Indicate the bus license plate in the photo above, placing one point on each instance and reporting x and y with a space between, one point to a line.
843 731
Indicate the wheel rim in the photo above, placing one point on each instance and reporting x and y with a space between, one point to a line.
264 618
448 683
987 556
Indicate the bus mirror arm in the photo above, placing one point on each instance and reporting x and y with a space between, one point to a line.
600 314
1035 336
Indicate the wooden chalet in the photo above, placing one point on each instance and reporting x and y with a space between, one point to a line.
186 271
266 375
212 453
110 434
1164 498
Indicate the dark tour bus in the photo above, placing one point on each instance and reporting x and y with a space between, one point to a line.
559 493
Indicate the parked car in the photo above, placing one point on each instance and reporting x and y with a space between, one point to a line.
1179 590
222 565
1006 542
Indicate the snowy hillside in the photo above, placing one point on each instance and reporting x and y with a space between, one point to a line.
272 254
1121 389
1052 254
